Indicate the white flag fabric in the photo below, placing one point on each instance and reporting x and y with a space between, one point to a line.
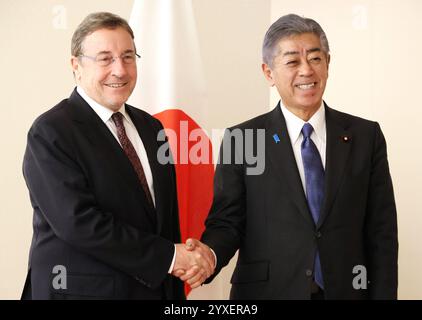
170 69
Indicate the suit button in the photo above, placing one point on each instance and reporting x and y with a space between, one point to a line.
318 234
308 273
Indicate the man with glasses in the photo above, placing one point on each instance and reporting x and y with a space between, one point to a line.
105 211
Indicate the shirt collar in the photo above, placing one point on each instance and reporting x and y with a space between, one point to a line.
103 112
295 124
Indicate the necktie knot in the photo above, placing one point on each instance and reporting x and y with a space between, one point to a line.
307 130
117 118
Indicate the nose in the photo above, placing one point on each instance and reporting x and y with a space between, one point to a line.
305 69
118 68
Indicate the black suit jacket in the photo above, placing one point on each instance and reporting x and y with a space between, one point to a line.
267 218
90 212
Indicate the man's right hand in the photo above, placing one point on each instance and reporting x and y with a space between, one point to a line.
194 262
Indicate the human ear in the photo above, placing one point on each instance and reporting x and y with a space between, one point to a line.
268 74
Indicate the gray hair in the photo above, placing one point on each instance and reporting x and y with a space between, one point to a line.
94 22
286 26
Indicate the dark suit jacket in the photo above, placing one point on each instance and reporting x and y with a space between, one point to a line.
267 218
90 212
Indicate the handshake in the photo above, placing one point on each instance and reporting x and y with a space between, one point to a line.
194 263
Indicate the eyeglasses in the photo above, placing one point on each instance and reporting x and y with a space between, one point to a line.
104 60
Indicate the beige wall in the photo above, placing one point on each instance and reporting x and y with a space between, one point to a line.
374 74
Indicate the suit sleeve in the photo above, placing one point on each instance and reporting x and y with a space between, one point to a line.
62 194
381 225
226 221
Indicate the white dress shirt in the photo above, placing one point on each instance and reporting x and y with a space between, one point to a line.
133 135
319 136
131 132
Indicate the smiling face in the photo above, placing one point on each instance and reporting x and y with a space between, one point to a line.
112 85
299 72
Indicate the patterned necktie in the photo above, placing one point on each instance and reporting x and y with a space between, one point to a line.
314 177
131 154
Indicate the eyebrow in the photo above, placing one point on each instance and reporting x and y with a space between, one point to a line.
109 52
289 53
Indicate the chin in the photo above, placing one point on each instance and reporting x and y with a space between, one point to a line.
312 103
114 106
117 102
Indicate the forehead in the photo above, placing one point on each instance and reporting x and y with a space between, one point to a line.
299 44
117 39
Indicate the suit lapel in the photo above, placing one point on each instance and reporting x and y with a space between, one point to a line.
283 161
96 131
339 142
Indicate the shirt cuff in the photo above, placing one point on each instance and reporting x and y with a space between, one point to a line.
174 260
215 258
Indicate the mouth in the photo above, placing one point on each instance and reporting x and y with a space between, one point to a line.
115 85
306 86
